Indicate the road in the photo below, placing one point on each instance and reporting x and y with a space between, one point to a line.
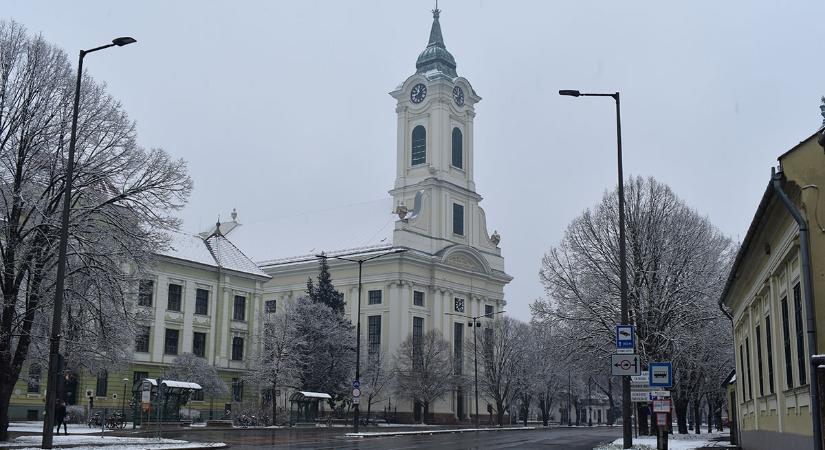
555 438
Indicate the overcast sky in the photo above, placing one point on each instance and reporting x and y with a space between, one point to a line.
281 108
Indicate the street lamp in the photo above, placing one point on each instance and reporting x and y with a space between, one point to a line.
626 426
54 349
475 325
123 401
358 313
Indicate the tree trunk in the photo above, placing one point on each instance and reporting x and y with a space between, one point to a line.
697 416
610 419
641 419
545 410
274 404
710 415
425 412
500 413
5 399
681 405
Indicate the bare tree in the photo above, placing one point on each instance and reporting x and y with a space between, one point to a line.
276 363
376 377
424 369
676 264
122 205
502 353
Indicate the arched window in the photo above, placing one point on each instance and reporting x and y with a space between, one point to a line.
457 149
419 145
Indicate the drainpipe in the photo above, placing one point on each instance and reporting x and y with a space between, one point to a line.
807 293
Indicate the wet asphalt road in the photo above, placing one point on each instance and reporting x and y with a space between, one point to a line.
554 438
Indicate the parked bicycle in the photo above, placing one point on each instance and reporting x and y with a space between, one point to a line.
116 421
94 420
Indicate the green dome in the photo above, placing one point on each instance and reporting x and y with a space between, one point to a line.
436 56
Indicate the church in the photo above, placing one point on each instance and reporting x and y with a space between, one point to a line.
452 269
442 269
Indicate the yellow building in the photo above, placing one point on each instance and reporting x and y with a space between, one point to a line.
765 293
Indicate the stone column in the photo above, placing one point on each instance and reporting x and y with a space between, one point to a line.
397 317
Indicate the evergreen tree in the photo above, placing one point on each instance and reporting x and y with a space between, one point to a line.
325 292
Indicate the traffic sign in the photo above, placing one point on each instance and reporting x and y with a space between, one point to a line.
643 378
625 339
356 392
356 384
661 419
639 396
661 374
356 400
661 406
621 365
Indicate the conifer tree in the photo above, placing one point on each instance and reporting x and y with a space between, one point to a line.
325 292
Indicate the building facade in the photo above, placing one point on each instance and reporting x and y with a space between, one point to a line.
451 269
765 296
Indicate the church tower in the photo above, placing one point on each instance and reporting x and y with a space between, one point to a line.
434 194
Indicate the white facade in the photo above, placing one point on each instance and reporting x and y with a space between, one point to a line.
452 269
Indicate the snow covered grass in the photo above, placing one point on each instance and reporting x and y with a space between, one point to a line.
37 427
451 430
107 442
675 442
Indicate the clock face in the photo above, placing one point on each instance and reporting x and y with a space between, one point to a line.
458 96
418 93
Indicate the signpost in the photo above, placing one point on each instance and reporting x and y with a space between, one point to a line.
623 365
661 374
356 392
625 339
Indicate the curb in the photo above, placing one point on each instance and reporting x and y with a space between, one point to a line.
104 445
410 433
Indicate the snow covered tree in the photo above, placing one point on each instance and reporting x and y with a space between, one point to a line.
676 263
424 369
194 369
501 357
325 353
276 364
122 203
325 293
376 377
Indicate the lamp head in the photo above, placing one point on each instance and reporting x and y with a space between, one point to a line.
121 41
570 92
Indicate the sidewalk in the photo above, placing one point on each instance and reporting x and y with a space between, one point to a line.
81 436
705 441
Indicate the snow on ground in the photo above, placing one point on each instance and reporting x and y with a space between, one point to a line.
37 427
675 442
107 442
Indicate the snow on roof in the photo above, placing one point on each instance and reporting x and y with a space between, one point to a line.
214 251
314 394
174 383
360 251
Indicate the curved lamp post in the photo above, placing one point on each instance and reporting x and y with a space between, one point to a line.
54 349
627 431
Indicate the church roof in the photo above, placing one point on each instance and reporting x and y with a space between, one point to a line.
435 59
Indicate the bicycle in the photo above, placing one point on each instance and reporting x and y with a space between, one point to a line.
116 421
94 420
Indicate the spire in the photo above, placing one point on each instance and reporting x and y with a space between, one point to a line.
435 56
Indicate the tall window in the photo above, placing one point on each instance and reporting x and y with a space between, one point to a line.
748 369
199 344
239 311
145 290
33 385
418 333
769 347
373 335
457 149
102 383
800 336
170 343
237 389
271 306
173 303
142 339
202 302
488 310
374 297
237 348
759 361
419 145
458 219
744 375
458 347
786 336
418 298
